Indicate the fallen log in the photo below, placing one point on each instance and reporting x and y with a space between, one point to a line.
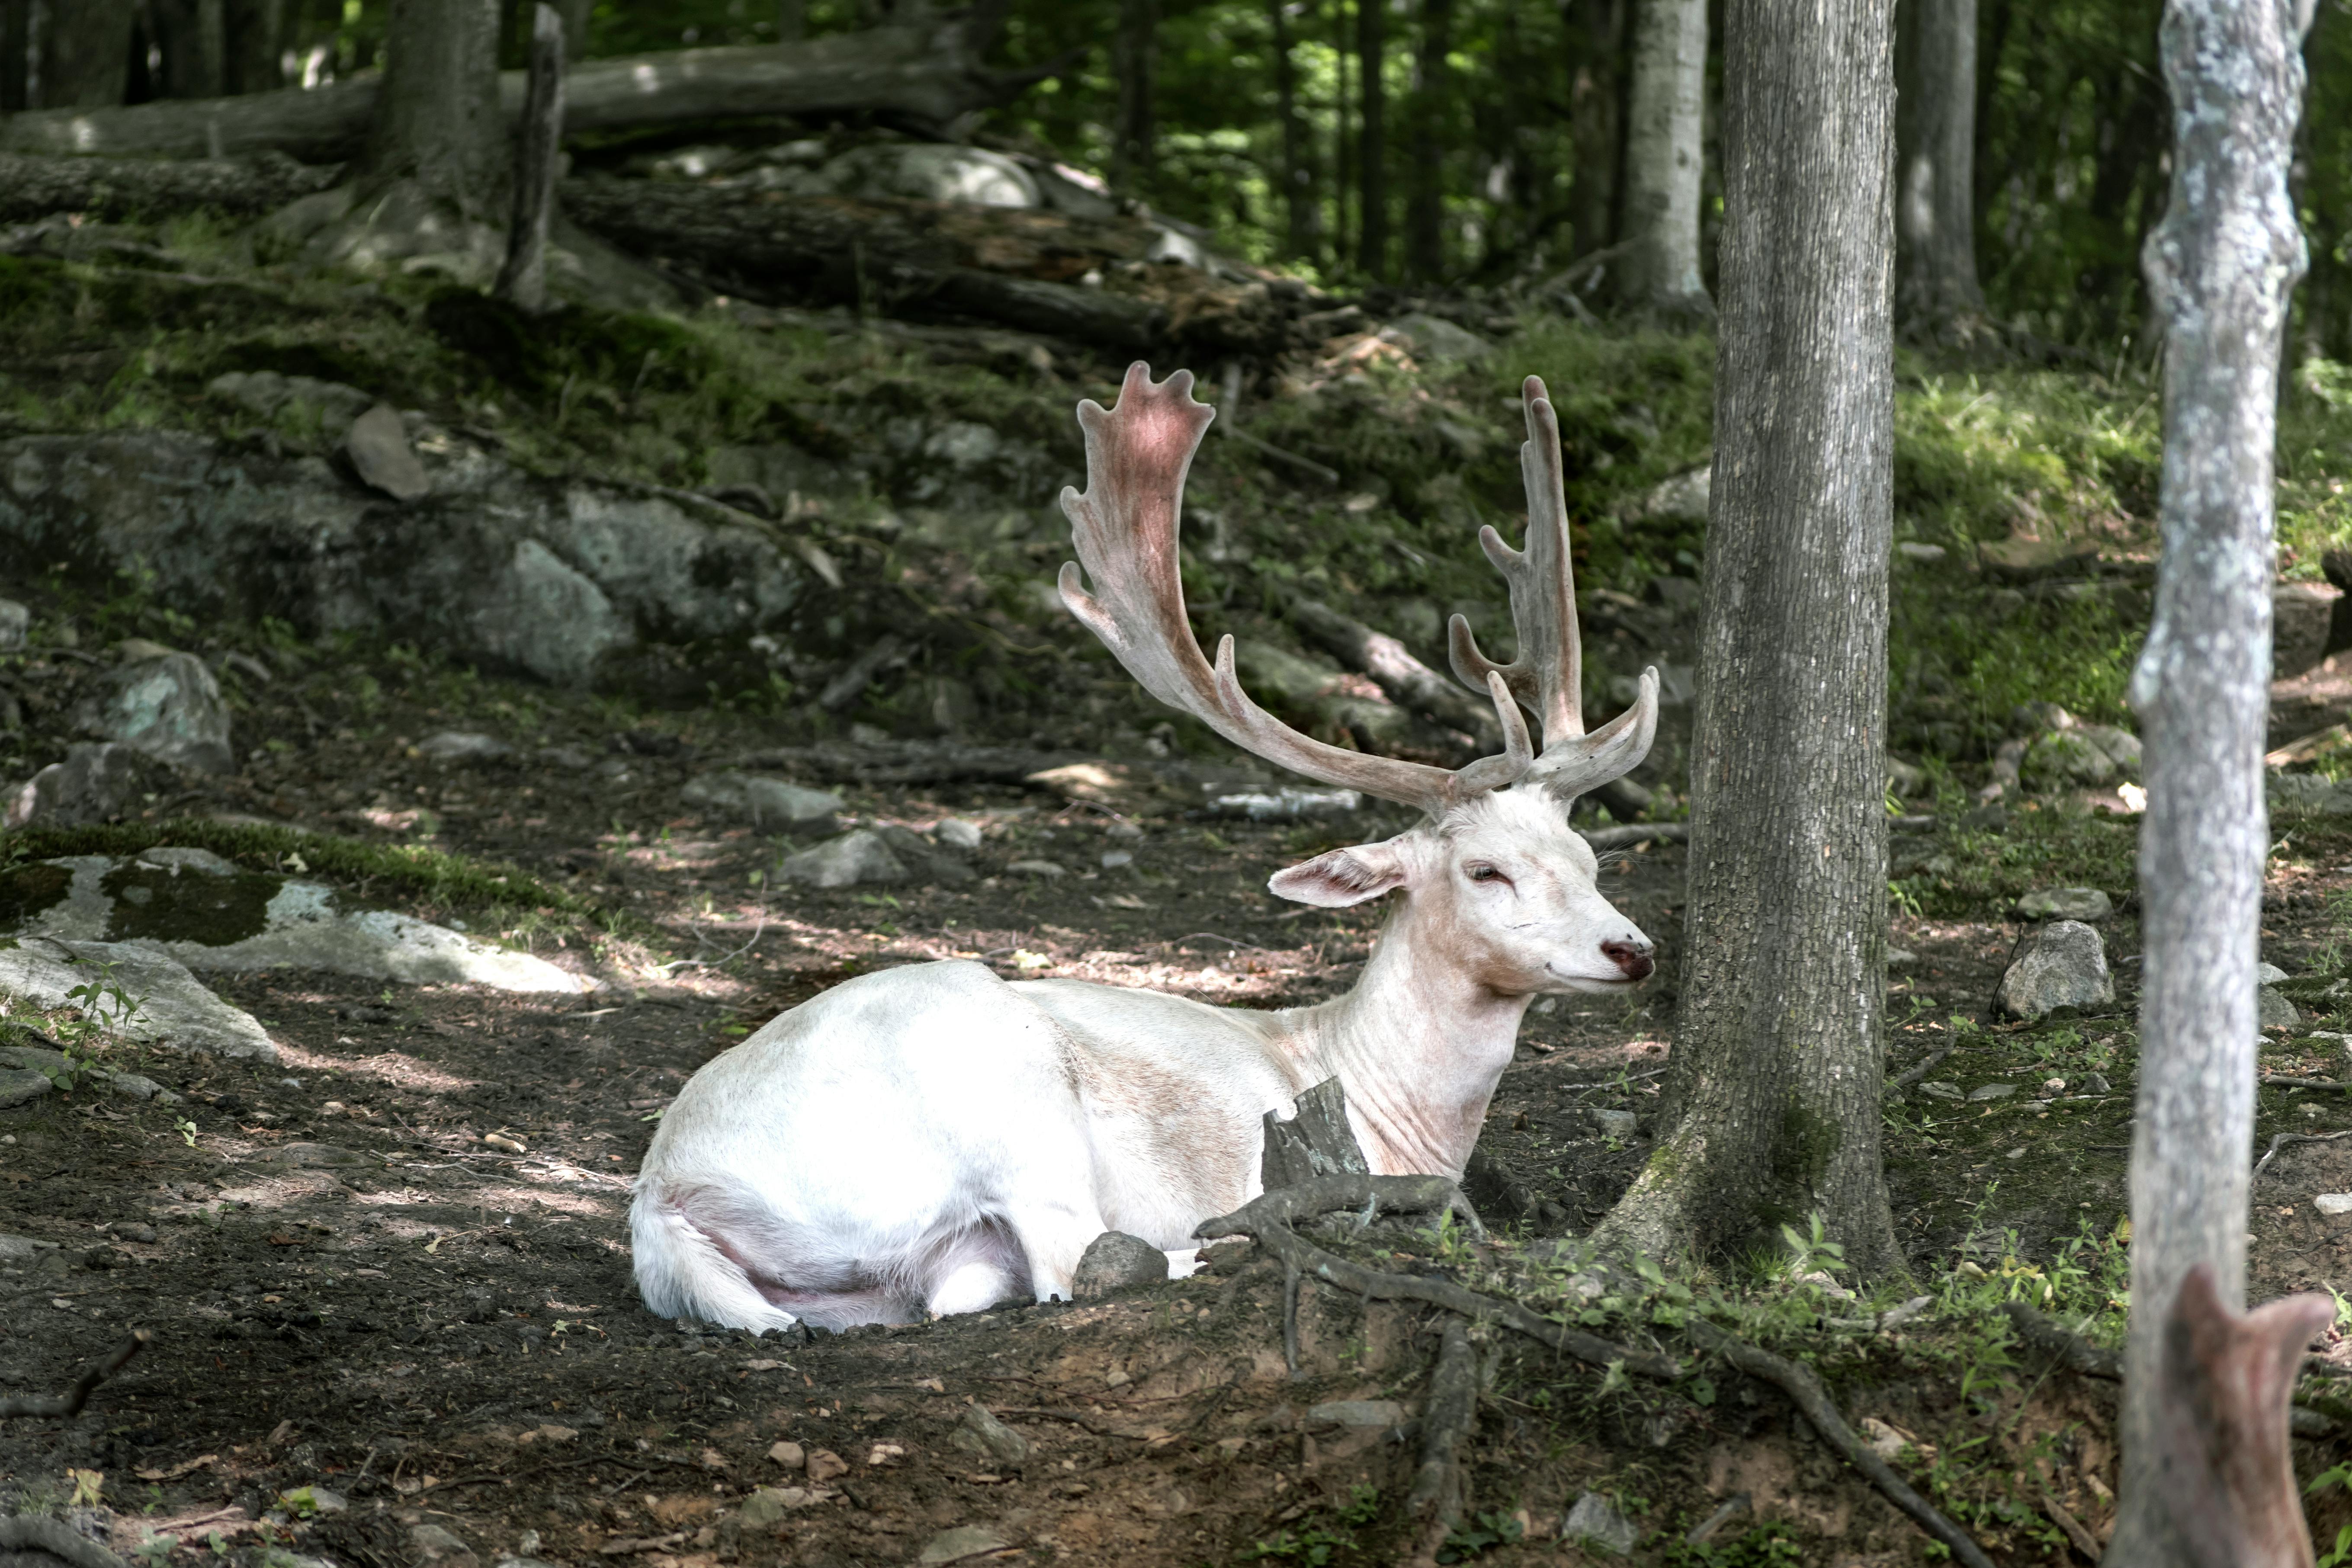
893 257
35 187
1392 668
928 75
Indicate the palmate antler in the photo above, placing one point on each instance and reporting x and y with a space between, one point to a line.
1125 527
1548 675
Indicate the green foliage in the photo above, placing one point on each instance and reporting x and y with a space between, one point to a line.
1331 1539
1772 1544
1478 1534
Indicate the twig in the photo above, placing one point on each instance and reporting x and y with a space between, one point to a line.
1912 1078
1804 1390
1329 476
715 962
1640 832
1613 1082
1214 936
70 1402
1269 1218
1447 1416
1292 1283
56 1538
2084 1541
2303 1083
2284 1139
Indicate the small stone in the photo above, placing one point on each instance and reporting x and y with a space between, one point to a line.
2269 975
1116 1261
1614 1123
19 1085
2064 965
2273 1011
853 858
766 802
1112 860
377 444
2065 904
767 1506
1385 1414
132 1230
2054 1086
1595 1522
462 746
326 1501
1938 1090
792 1456
824 1465
956 832
1882 1440
16 624
1048 868
962 1543
2334 1202
1899 959
2096 1083
1993 1091
1926 554
434 1544
982 1433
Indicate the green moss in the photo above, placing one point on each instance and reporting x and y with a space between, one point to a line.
154 904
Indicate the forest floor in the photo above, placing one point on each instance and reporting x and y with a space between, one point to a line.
366 1321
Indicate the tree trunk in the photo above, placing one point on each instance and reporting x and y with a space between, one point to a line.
792 21
1302 202
16 51
192 37
1424 223
1134 54
1935 183
438 120
1779 1051
1596 103
522 282
34 188
928 74
85 48
1373 156
1664 162
2219 266
256 38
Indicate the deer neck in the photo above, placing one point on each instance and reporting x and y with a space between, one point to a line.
1418 1045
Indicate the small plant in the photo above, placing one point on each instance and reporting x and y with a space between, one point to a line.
186 1130
87 1485
1474 1536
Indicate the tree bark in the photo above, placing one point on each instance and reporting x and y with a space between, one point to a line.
192 38
1424 223
926 74
1778 1054
85 48
1373 156
1664 161
1134 56
2219 268
792 21
1934 187
125 187
438 120
908 256
16 51
1302 202
522 282
1596 118
256 38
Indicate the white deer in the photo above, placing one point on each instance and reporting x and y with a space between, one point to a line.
937 1139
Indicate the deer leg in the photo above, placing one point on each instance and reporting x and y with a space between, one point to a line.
2227 1379
1054 1232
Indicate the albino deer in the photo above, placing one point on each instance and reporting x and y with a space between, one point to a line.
937 1139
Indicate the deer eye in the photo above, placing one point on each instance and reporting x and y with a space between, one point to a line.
1481 872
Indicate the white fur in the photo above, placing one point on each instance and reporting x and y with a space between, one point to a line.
935 1139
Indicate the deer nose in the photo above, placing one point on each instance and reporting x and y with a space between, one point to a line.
1631 956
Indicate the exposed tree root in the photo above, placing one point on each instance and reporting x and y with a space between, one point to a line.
1804 1391
1447 1417
70 1402
56 1538
2080 1355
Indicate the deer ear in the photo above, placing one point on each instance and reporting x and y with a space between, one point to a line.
1339 877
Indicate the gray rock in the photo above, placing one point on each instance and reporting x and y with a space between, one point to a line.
175 1009
2273 1011
2310 794
22 1249
932 171
2065 904
1924 555
436 1547
980 1431
2094 1083
2301 614
961 1544
768 1507
1614 1123
925 859
19 1085
1596 1522
177 859
957 834
766 802
16 624
1984 1091
850 861
570 580
1287 804
41 1059
2063 964
169 708
377 445
1899 959
1386 1414
2270 974
1433 340
1685 497
96 782
1117 1261
2121 746
2065 757
1939 1089
1049 869
132 1230
462 746
322 406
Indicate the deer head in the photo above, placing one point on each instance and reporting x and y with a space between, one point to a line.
1496 875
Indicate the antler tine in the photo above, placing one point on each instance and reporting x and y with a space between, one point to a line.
1124 528
1548 675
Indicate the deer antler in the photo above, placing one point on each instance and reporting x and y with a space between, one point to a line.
1124 528
1548 675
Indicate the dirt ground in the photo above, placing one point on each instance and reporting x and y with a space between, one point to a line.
380 1339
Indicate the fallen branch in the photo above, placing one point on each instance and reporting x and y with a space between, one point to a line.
1447 1417
70 1402
1804 1390
2079 1355
1268 1219
2302 1083
1640 833
58 1539
34 187
1408 682
2284 1139
1912 1078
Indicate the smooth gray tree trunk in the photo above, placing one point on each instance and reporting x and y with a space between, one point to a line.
1665 121
1135 57
85 53
16 51
1372 151
1302 201
1773 1095
2220 268
522 282
436 119
256 43
1424 220
1935 186
1596 103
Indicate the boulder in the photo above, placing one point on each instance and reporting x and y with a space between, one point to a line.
2065 904
1117 1261
2310 794
2122 747
2273 1011
176 1010
931 171
322 406
2063 965
1433 340
765 802
170 708
847 861
96 782
377 445
2065 757
21 1085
